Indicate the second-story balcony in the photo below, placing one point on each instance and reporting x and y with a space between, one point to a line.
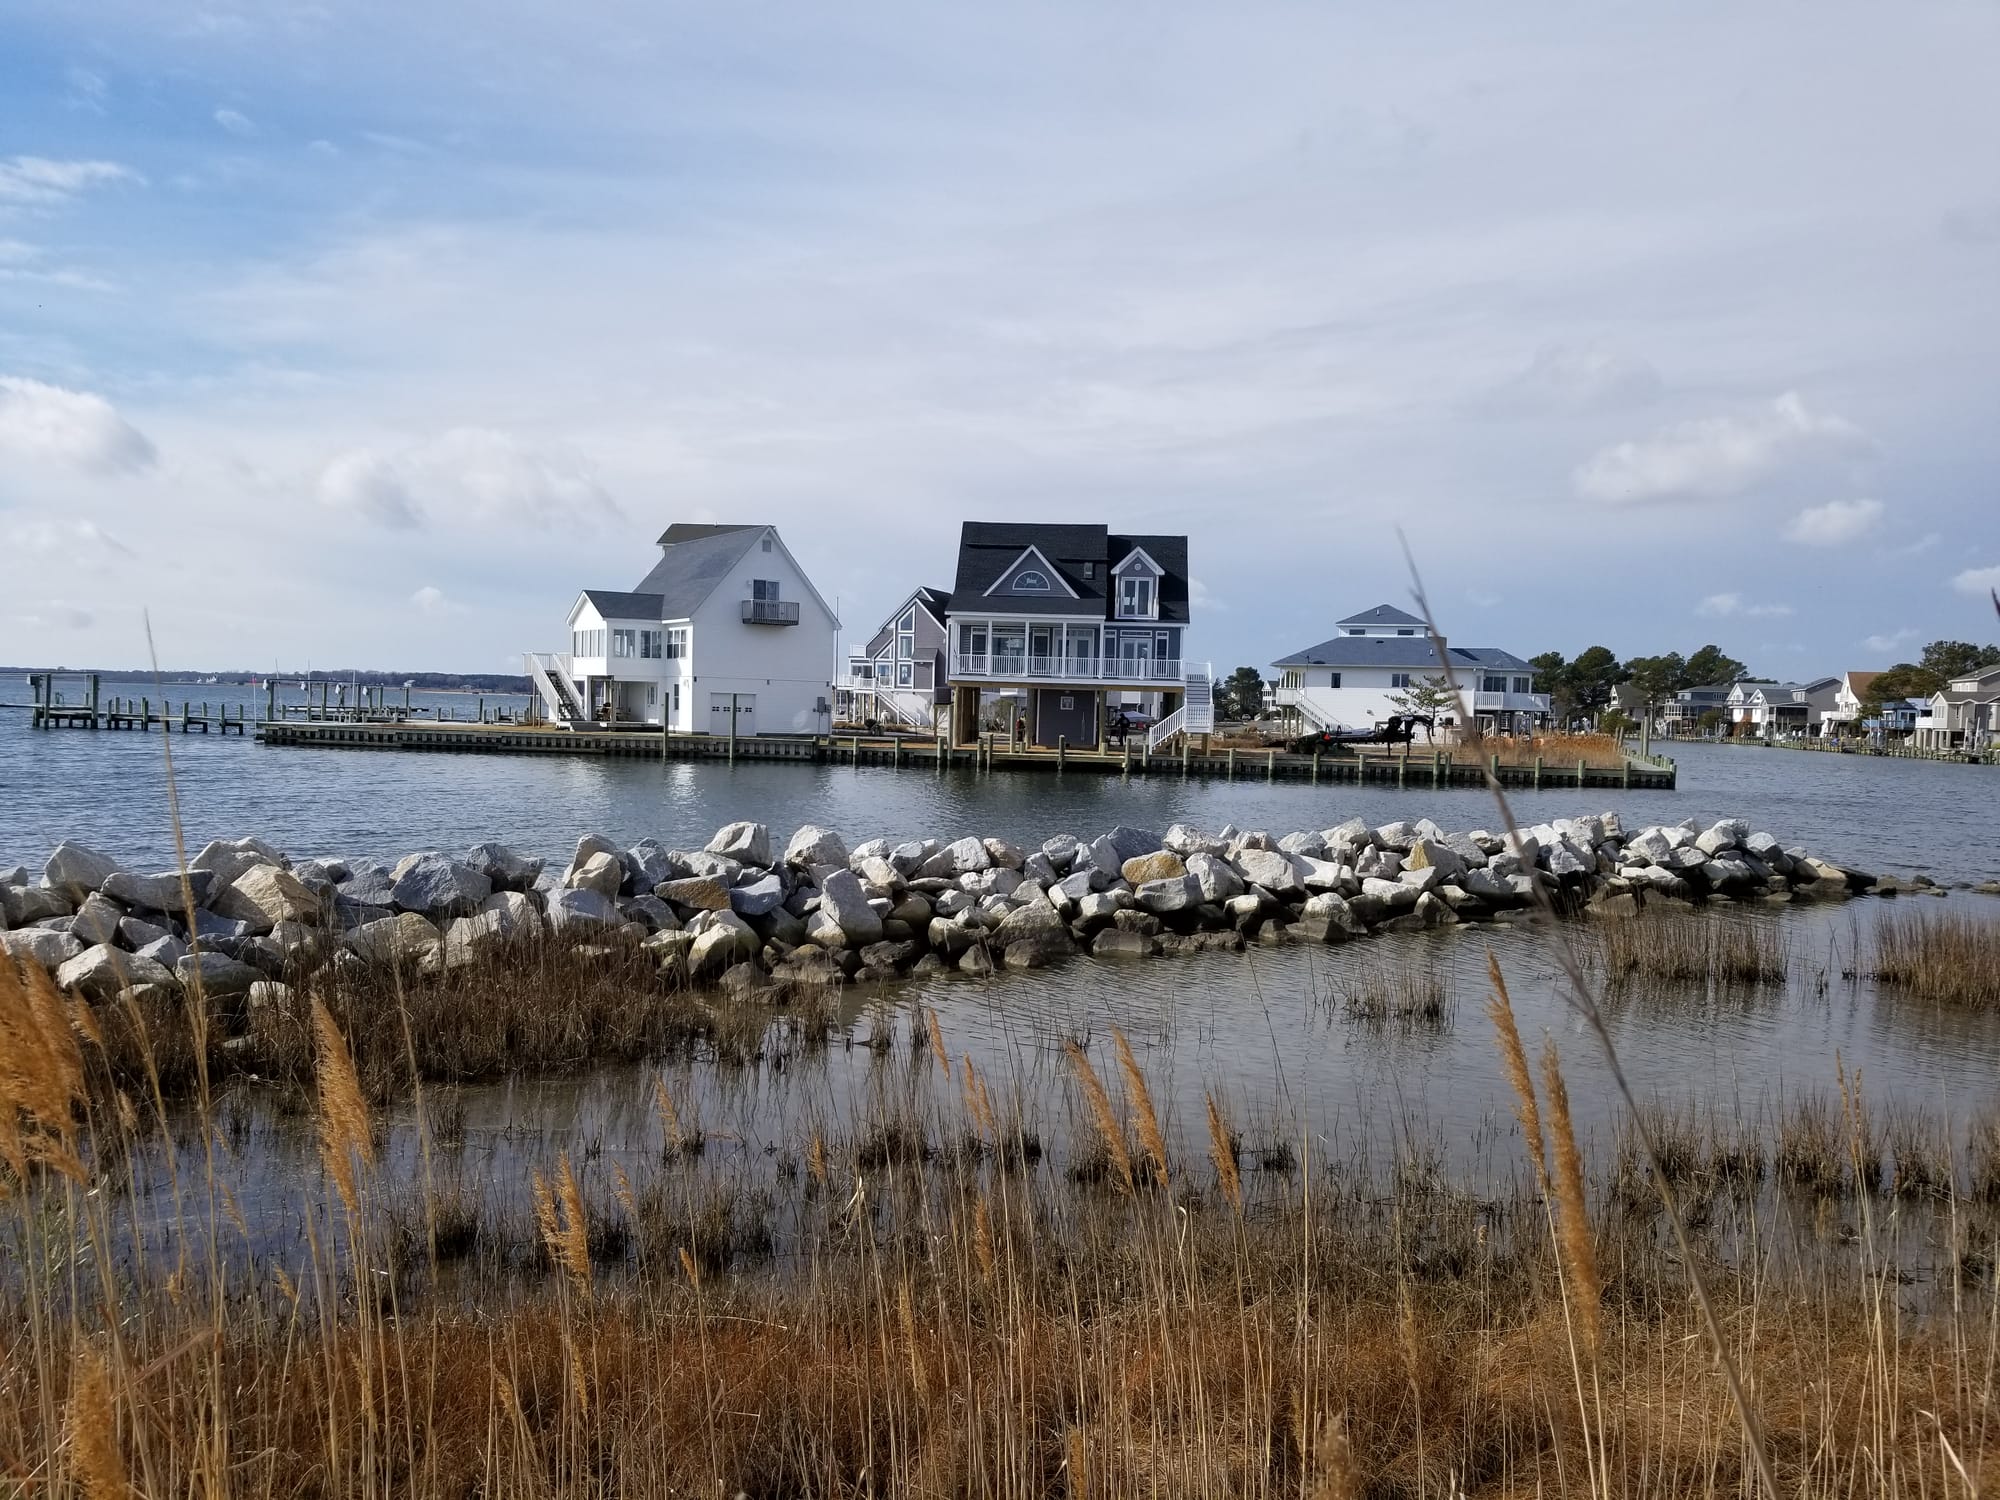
1019 666
770 612
1510 703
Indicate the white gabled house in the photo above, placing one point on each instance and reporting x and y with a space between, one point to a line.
1781 708
1964 714
899 676
725 630
1352 680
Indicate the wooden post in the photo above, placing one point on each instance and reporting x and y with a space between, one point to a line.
1538 773
1403 766
1579 770
35 696
1315 780
1232 764
732 729
666 726
896 752
1627 783
1062 751
1126 772
93 700
854 749
1496 765
1184 757
1270 765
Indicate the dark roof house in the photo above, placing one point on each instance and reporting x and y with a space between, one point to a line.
1076 563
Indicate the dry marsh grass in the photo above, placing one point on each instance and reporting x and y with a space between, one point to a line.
1692 946
1951 958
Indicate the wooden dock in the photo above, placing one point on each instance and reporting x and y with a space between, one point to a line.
1434 768
51 711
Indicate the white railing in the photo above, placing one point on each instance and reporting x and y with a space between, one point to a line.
1524 703
1014 666
550 674
1166 729
1318 715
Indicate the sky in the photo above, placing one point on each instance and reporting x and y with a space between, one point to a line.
367 334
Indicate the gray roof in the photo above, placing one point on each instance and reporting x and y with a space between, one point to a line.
695 560
986 549
1381 614
1399 651
616 606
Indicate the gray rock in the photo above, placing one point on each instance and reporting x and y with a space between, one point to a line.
440 888
1651 845
746 843
25 905
1171 894
651 912
1311 845
813 845
646 864
40 945
976 961
1039 867
505 868
1323 874
1101 906
157 892
134 933
1427 853
228 860
589 844
74 871
219 975
1114 942
405 937
601 872
907 858
1133 842
265 895
97 920
1565 862
166 951
702 892
1061 851
961 857
1184 840
758 898
575 911
844 904
1004 855
1215 878
269 992
467 940
1270 869
210 928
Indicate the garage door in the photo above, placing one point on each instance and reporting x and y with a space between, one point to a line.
746 714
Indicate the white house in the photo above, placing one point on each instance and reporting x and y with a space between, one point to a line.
1765 709
1349 682
725 629
1845 715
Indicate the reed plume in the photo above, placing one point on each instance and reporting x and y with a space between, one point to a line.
574 1230
1099 1104
1337 1476
937 1042
1573 1222
1142 1103
93 1432
1222 1151
982 1238
41 1073
1514 1063
343 1118
670 1118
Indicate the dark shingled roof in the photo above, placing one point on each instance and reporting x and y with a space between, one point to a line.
1381 614
986 549
696 559
616 606
1397 652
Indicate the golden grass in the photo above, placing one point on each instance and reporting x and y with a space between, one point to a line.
1692 946
1951 958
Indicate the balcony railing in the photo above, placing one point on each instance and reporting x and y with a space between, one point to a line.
1018 666
1510 703
770 612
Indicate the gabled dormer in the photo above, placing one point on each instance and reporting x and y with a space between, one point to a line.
1031 576
1135 585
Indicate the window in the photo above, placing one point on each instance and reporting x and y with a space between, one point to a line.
624 642
1090 570
677 643
1524 684
1399 679
1135 598
909 621
1031 581
1333 679
587 642
1352 631
676 694
1291 677
1406 632
767 544
902 674
652 694
764 590
649 645
1492 684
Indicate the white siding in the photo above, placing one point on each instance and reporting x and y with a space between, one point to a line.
789 668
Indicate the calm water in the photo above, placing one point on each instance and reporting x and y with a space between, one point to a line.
109 790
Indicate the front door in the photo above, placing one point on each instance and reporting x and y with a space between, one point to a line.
1041 644
1136 652
719 709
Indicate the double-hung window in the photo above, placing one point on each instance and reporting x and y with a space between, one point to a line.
649 645
1492 684
624 642
1399 679
677 643
1135 597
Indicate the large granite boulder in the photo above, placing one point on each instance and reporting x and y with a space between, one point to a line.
1427 854
844 904
758 897
813 846
41 945
227 860
577 910
601 872
700 892
1214 877
158 892
1161 865
1269 868
960 857
102 972
219 976
167 951
265 895
96 921
746 843
439 888
1167 894
468 940
405 937
74 871
505 868
25 905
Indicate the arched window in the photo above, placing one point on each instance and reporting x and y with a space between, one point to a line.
1031 582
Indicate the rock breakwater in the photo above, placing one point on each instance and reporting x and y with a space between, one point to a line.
744 914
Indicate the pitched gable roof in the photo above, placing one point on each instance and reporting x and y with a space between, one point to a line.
987 549
1381 614
1400 652
696 559
616 606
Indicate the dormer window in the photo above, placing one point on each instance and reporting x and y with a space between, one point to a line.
1029 581
1135 598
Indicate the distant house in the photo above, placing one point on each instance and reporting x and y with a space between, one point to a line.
1845 715
1349 680
900 675
1962 715
1774 709
1682 717
1067 626
725 631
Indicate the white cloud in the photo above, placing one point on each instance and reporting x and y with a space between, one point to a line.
1923 543
1573 378
1730 606
431 601
1893 641
73 427
1977 580
1835 522
1713 457
235 122
1200 598
39 180
467 475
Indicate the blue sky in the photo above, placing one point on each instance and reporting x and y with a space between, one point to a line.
368 333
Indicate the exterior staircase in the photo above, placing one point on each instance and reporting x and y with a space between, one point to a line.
913 710
549 672
1196 715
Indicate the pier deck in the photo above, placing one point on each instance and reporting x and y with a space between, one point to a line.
1388 768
